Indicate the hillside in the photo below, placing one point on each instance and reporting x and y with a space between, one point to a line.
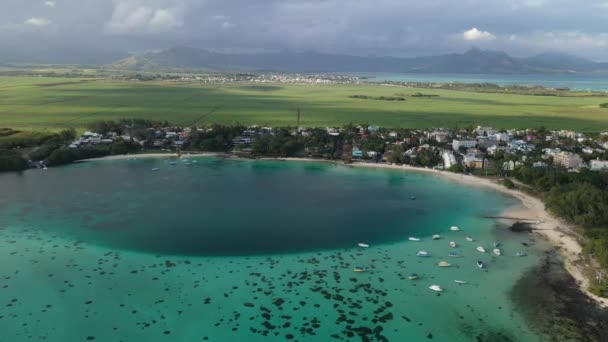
473 61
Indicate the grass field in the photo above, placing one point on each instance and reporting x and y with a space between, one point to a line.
54 103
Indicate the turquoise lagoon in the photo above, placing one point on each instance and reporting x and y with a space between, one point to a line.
228 250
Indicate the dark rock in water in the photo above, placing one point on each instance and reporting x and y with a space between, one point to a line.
521 227
552 301
429 336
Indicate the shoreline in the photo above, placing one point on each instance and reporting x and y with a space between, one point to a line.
548 226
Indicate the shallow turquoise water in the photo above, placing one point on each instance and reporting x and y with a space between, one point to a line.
247 250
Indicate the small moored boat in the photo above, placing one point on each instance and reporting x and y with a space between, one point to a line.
172 163
414 239
454 229
496 244
358 269
156 169
497 251
454 254
413 276
521 254
423 254
363 245
460 282
436 288
444 264
436 237
480 264
481 249
452 244
470 239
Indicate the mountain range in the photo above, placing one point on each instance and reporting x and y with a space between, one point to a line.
474 60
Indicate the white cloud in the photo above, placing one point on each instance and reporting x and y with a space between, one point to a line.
475 34
226 25
135 17
49 3
36 22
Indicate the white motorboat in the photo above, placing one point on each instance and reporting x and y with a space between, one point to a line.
423 254
452 244
521 254
436 237
460 282
481 249
454 229
444 264
470 239
480 264
363 245
436 288
414 239
497 251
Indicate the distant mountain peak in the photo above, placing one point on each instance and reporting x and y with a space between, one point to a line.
474 60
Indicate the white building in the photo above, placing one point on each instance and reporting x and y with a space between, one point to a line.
449 159
485 131
599 165
502 137
568 160
457 144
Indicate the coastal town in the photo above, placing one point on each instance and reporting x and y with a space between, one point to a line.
473 149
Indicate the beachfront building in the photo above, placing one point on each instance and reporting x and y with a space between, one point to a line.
449 159
472 161
568 160
458 144
599 165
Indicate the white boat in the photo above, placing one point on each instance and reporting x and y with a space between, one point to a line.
454 229
470 239
444 264
436 288
480 264
521 254
436 237
45 168
358 269
423 254
452 244
172 163
461 282
414 239
497 251
481 249
363 245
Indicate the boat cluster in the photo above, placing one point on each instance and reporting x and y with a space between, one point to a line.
414 276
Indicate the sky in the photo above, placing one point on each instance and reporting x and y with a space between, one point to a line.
100 30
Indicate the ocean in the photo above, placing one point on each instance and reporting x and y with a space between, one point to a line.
226 250
580 82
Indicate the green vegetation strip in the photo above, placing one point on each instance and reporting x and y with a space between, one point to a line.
26 104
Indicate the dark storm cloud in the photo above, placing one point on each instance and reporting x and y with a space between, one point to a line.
395 27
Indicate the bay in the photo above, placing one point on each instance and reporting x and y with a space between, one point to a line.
226 250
